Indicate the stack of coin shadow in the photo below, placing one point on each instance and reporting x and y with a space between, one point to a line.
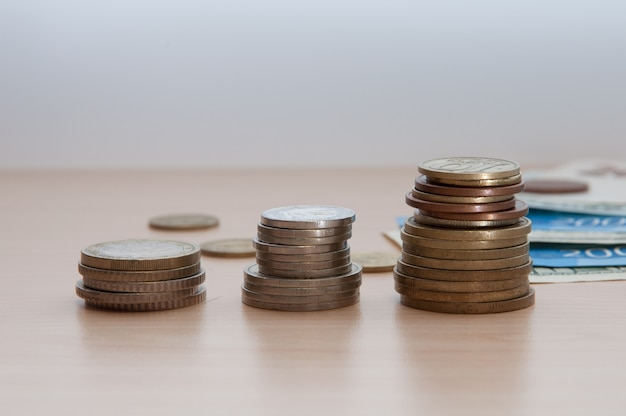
465 249
141 275
303 260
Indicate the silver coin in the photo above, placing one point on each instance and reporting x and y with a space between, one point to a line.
308 233
297 249
304 241
294 258
469 168
308 216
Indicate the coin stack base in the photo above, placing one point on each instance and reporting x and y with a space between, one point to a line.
141 275
302 260
465 249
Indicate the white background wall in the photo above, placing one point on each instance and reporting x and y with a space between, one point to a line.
144 83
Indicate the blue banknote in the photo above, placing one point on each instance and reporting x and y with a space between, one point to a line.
577 255
567 221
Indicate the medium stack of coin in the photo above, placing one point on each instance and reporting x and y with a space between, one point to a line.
465 249
303 260
141 275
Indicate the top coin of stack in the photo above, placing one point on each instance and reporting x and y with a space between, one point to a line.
303 260
465 249
141 275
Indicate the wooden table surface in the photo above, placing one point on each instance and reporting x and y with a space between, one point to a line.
566 355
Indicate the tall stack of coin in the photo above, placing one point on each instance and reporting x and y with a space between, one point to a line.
303 260
465 249
141 275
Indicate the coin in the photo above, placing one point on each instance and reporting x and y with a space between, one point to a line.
329 297
294 258
137 276
556 186
452 286
447 199
252 275
469 297
414 202
184 221
126 297
140 255
461 244
305 273
519 210
477 254
511 231
300 307
375 261
423 219
195 299
450 264
463 275
311 265
472 307
230 247
469 168
482 183
159 286
308 216
423 184
298 233
302 291
303 241
297 249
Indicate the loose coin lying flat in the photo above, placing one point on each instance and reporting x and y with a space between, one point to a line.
194 299
375 261
555 186
230 247
184 222
469 168
472 308
140 255
308 216
423 184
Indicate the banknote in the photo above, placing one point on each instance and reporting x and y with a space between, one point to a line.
604 177
577 255
567 227
576 274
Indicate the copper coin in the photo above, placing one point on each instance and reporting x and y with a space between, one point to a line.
310 265
469 297
555 186
414 202
519 210
421 218
522 228
300 307
304 241
454 264
463 275
423 184
456 254
184 222
302 291
479 183
375 261
472 307
461 244
305 273
452 286
473 168
448 199
197 298
304 258
252 275
297 249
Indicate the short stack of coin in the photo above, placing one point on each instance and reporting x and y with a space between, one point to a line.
303 260
465 249
141 275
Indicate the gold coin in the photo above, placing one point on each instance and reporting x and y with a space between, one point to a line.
463 275
300 307
124 297
140 255
468 168
252 275
293 258
308 233
479 183
137 276
452 199
312 265
329 297
465 297
159 286
308 217
481 254
230 247
452 286
194 299
453 264
297 250
183 222
375 261
301 291
414 240
472 307
305 273
522 228
303 241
